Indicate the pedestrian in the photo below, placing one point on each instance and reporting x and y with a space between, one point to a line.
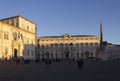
80 63
17 61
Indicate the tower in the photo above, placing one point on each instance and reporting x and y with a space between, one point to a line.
100 50
101 35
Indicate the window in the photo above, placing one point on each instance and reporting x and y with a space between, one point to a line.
86 44
77 45
43 56
47 46
91 44
65 45
51 55
28 28
56 45
16 24
62 55
86 39
42 52
51 51
32 53
6 51
77 55
91 39
15 36
82 44
27 52
7 21
56 55
72 55
11 22
27 41
56 51
61 44
42 46
51 46
6 36
23 52
96 44
96 38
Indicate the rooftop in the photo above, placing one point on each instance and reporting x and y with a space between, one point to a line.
17 16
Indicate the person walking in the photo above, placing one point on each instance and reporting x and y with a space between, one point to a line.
80 64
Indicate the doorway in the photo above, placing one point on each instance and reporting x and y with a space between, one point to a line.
15 53
67 54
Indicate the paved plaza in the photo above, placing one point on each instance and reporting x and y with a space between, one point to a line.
63 71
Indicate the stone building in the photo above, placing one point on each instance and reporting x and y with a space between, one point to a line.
68 46
77 46
111 52
17 37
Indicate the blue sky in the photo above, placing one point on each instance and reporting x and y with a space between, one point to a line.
76 17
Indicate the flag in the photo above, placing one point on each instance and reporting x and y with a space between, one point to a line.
19 35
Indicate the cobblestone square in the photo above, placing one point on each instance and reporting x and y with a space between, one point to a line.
63 71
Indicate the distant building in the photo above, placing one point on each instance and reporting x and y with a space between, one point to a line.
77 46
68 46
17 37
111 52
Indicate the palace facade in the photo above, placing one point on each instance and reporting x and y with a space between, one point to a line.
68 46
77 46
17 37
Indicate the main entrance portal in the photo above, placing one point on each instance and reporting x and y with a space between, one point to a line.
67 54
15 53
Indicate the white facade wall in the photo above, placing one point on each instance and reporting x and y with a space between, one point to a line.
68 46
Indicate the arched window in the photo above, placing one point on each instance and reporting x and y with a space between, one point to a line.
15 53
